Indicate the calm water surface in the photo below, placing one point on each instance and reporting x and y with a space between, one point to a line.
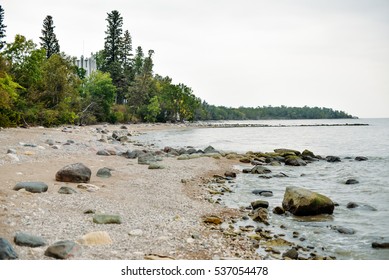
327 178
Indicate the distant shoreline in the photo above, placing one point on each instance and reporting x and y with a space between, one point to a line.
237 125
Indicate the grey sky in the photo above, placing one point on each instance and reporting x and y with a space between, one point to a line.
326 53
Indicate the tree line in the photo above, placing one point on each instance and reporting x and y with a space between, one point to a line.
40 85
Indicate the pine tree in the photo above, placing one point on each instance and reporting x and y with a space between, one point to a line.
126 50
113 41
49 39
2 28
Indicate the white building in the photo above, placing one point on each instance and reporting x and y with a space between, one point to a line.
87 63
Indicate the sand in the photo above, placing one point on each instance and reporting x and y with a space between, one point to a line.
162 210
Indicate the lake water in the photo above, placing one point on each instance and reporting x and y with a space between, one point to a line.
347 142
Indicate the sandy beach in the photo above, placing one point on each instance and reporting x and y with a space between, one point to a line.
162 211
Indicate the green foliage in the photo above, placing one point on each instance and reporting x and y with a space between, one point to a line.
8 96
153 109
2 28
99 96
49 40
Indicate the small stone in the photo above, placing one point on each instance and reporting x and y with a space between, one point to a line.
11 151
212 220
103 153
33 187
24 239
95 238
230 174
107 219
89 211
157 257
156 166
104 172
7 252
88 187
292 254
63 250
66 190
278 210
259 204
135 232
260 215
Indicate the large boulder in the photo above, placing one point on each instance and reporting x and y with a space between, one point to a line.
287 152
74 173
63 250
295 161
303 202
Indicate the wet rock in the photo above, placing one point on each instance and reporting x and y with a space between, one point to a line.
303 202
95 238
295 161
66 190
278 210
245 160
28 240
107 219
265 177
352 182
380 245
352 205
258 169
259 204
260 215
104 172
33 187
74 173
7 252
63 250
230 174
291 254
210 150
308 153
262 192
343 230
287 151
360 158
333 159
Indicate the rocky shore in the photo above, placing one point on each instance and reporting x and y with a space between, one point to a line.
95 193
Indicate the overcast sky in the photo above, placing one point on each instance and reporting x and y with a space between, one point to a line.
325 53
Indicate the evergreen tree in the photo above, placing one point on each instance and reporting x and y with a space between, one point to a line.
2 28
113 53
49 39
113 41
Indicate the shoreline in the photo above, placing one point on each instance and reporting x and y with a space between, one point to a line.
163 211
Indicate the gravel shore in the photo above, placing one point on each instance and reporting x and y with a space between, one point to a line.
162 211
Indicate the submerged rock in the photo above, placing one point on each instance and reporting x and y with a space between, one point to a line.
352 182
303 202
343 230
379 245
360 158
352 205
333 159
74 173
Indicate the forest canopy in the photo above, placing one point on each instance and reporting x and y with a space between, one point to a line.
39 85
